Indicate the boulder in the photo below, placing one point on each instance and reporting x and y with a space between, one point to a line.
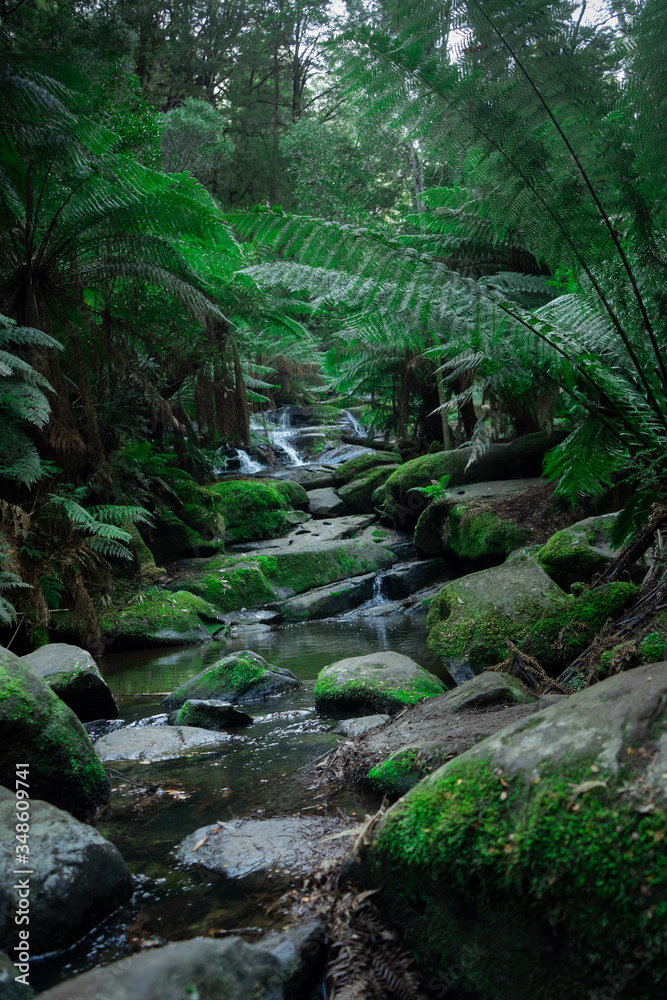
579 552
157 742
523 852
254 509
323 602
522 457
358 493
380 682
74 676
404 579
325 503
76 876
243 676
37 729
161 619
355 727
357 467
311 476
472 617
490 688
210 715
243 846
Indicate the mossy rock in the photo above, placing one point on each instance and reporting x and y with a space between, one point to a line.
404 768
243 676
231 583
358 493
356 467
323 413
253 509
579 552
37 729
161 619
382 682
471 618
478 535
74 676
293 493
562 633
209 714
519 863
524 456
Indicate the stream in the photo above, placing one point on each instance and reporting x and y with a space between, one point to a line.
261 773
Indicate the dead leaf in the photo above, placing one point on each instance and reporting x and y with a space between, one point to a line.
200 843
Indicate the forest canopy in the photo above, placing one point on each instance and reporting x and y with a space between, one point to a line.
450 215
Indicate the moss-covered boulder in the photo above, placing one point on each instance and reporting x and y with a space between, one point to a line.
208 714
534 863
522 457
579 552
160 618
243 676
379 682
75 677
39 731
562 633
355 468
357 494
478 535
404 768
253 509
471 618
236 582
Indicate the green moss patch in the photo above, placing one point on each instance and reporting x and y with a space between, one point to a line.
254 510
403 769
479 535
355 468
358 493
159 619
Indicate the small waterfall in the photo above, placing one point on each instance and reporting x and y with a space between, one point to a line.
280 438
248 465
378 597
357 429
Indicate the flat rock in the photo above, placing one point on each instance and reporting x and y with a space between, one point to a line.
243 676
355 727
325 503
324 602
490 688
318 532
210 715
152 743
75 677
242 846
383 682
77 877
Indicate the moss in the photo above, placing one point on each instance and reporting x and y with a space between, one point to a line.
323 413
480 535
254 510
403 769
510 867
162 618
237 674
376 694
653 648
357 467
563 633
568 559
232 587
294 493
358 494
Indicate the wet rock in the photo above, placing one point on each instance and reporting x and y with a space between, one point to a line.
325 503
489 688
403 579
77 877
151 743
74 676
302 954
579 552
38 729
244 846
557 798
323 602
471 618
243 676
100 727
355 727
210 715
383 682
201 968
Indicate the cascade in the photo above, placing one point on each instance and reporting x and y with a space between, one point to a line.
357 428
281 436
248 465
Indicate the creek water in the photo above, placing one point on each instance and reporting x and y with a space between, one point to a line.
261 772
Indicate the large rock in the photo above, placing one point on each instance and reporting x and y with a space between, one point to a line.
471 618
243 676
254 509
379 682
74 676
493 687
522 457
579 552
405 579
210 715
540 851
358 493
152 743
312 559
323 602
361 465
325 503
244 846
76 876
161 619
37 729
